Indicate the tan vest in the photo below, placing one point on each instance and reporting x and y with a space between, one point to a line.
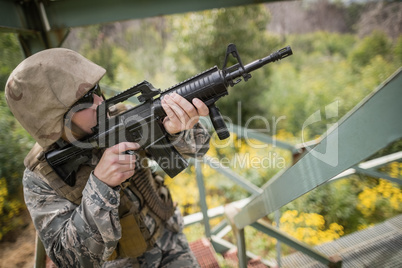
154 198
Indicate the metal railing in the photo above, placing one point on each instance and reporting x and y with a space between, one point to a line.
369 127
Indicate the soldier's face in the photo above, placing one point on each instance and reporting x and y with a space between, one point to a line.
87 119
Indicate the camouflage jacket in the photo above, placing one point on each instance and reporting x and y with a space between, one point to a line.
86 235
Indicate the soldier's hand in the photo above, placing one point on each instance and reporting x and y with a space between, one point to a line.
115 166
181 114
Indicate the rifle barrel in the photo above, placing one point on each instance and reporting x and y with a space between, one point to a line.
275 56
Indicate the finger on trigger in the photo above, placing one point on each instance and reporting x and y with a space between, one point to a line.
125 146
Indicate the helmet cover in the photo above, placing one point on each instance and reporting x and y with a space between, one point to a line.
44 86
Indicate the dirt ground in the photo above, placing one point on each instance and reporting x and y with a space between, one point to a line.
17 250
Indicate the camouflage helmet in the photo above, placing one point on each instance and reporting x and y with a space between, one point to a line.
44 86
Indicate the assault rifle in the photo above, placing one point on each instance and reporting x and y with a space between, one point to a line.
143 123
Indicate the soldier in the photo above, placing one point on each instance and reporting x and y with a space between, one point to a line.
115 215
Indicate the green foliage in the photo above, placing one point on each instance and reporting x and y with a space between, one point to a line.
376 44
318 44
130 52
206 34
298 86
323 71
336 202
398 51
101 50
9 210
146 58
14 143
10 55
200 42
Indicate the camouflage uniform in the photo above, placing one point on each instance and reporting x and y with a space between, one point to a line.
86 234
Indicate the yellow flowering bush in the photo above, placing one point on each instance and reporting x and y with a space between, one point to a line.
367 200
386 196
252 159
9 209
184 191
309 227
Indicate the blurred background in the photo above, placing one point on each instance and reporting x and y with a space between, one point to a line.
342 51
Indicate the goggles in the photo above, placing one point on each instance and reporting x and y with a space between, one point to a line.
88 98
86 101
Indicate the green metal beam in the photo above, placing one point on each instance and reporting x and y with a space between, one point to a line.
253 134
222 246
211 213
290 241
75 13
202 199
230 212
377 174
44 24
371 164
29 20
239 180
371 126
40 254
11 17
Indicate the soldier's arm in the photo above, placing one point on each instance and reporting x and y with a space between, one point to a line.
74 236
182 117
193 142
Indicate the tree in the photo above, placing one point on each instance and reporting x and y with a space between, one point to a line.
200 42
14 143
376 44
10 55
